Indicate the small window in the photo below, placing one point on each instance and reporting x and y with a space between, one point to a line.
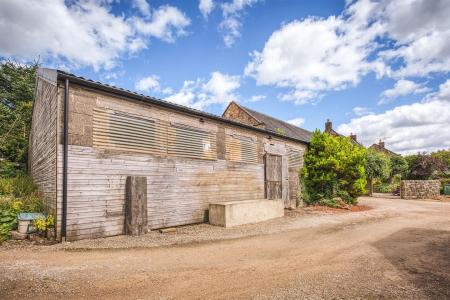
295 157
127 132
191 142
241 149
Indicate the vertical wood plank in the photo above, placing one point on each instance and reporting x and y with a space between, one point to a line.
136 205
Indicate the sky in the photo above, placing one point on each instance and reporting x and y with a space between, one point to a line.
378 69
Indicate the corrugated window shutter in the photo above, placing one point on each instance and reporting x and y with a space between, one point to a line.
295 157
241 149
191 142
127 132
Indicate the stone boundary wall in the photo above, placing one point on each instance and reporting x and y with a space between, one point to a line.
419 189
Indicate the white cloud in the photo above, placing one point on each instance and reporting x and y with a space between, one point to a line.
201 93
149 83
231 24
142 6
394 38
80 33
443 94
167 23
421 126
315 55
257 98
297 121
361 111
401 88
206 7
421 31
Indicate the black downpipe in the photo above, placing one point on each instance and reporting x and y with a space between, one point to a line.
65 159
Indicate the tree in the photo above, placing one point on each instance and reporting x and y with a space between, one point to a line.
398 166
444 156
377 165
334 166
17 83
425 166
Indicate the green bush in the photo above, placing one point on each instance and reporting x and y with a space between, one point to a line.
334 167
17 195
385 187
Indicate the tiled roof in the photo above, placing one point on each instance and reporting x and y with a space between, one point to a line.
278 126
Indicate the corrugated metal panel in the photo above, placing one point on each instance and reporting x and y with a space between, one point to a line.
295 157
127 132
242 149
191 142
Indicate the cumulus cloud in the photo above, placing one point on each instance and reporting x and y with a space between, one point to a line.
418 127
200 93
394 38
167 23
142 6
421 32
149 83
206 7
315 55
297 121
402 88
81 33
361 111
443 94
231 24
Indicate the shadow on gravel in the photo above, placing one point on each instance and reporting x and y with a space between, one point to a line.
422 256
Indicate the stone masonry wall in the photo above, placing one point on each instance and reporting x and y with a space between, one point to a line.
419 189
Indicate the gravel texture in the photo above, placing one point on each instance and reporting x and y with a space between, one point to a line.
400 249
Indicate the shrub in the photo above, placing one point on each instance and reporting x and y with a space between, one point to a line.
334 167
17 195
425 166
386 187
377 165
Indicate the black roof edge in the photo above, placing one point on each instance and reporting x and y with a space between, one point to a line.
159 102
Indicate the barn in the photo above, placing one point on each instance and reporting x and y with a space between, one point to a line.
87 138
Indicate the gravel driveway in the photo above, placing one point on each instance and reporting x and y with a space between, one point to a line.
398 249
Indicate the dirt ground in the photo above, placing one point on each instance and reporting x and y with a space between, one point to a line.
397 249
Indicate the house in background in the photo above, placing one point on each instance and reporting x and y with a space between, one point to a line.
329 129
381 148
87 138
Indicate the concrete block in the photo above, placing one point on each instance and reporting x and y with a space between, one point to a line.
228 214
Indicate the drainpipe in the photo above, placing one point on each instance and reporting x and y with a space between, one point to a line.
65 159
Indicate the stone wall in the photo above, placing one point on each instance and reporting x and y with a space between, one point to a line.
419 189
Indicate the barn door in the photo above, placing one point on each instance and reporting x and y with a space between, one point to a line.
273 176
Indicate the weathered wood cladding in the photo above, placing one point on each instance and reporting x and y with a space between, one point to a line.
42 152
180 185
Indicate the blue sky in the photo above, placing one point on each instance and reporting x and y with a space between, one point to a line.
375 68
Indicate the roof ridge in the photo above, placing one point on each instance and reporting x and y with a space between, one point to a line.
287 123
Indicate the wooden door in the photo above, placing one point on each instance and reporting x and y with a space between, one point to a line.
273 176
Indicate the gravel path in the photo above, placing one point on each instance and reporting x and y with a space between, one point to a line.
398 249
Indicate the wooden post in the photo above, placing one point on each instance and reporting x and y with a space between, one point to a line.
136 221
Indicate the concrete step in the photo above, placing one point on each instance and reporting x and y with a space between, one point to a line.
228 214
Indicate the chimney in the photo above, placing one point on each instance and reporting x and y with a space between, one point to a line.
381 144
353 137
328 126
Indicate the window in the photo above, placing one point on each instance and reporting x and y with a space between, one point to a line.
295 157
241 149
127 132
191 142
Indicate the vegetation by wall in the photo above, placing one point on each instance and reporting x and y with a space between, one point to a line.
334 167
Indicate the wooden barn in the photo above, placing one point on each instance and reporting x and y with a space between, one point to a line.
88 137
